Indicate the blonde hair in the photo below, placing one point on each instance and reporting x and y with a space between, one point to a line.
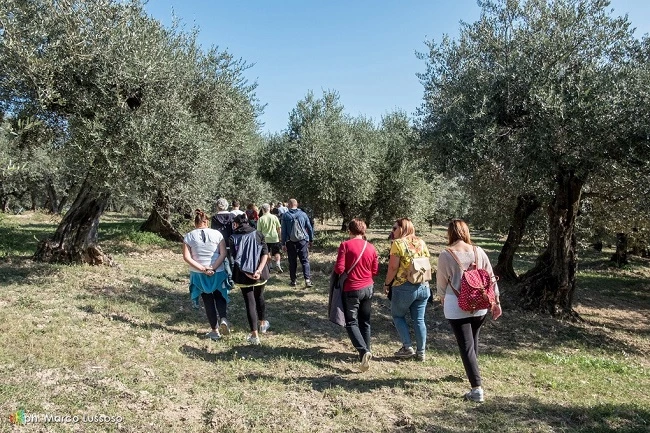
406 228
458 230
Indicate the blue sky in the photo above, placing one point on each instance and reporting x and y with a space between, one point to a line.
363 49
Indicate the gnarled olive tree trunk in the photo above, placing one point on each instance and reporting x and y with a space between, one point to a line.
550 285
159 220
526 205
75 239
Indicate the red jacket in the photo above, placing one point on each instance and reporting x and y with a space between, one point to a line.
368 266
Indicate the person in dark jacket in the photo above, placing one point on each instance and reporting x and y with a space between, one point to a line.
297 249
249 255
222 221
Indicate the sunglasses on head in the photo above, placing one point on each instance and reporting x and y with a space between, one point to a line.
395 228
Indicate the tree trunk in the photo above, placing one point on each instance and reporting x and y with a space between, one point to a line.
526 205
620 256
75 240
345 212
52 200
158 221
4 204
550 285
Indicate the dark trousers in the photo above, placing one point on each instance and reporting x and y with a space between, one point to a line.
466 332
298 251
356 308
255 307
215 307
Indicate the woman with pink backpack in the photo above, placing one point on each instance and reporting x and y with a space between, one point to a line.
467 290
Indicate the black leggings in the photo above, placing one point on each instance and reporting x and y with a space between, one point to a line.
215 307
254 299
466 332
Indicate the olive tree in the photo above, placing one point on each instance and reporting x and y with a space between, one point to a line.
143 110
545 91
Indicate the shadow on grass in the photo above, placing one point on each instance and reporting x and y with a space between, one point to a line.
531 414
22 240
20 270
135 323
318 357
174 306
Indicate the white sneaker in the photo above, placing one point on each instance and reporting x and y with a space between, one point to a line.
224 326
255 341
213 335
476 394
365 361
265 326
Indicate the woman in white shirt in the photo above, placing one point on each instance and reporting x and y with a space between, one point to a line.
204 249
465 324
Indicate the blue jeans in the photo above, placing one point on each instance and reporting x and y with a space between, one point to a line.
298 251
410 298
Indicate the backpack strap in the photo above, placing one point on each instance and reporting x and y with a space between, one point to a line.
455 257
475 257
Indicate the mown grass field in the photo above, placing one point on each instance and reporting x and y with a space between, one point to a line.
125 342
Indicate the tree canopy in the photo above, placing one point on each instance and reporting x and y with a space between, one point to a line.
538 94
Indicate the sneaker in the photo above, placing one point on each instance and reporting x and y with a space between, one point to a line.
265 326
476 394
293 283
365 361
405 352
213 335
224 326
278 269
421 356
255 341
308 283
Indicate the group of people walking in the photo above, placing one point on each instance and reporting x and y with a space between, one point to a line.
239 249
248 252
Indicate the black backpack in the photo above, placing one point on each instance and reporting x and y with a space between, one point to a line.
223 223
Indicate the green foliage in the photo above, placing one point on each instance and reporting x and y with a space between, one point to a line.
531 89
137 107
338 164
145 238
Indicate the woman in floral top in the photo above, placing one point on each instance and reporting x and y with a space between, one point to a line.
407 298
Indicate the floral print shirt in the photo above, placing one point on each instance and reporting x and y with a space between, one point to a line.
406 249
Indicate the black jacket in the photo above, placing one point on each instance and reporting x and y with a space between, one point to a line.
246 249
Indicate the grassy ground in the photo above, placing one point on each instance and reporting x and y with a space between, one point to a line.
125 342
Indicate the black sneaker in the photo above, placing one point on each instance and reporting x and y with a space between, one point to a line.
308 283
293 283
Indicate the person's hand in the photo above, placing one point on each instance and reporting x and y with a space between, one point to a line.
311 244
496 311
284 248
208 271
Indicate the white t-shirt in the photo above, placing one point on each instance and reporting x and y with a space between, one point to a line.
204 246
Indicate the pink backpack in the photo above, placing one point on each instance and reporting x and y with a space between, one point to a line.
476 286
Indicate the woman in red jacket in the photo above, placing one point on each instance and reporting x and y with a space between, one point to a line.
358 259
